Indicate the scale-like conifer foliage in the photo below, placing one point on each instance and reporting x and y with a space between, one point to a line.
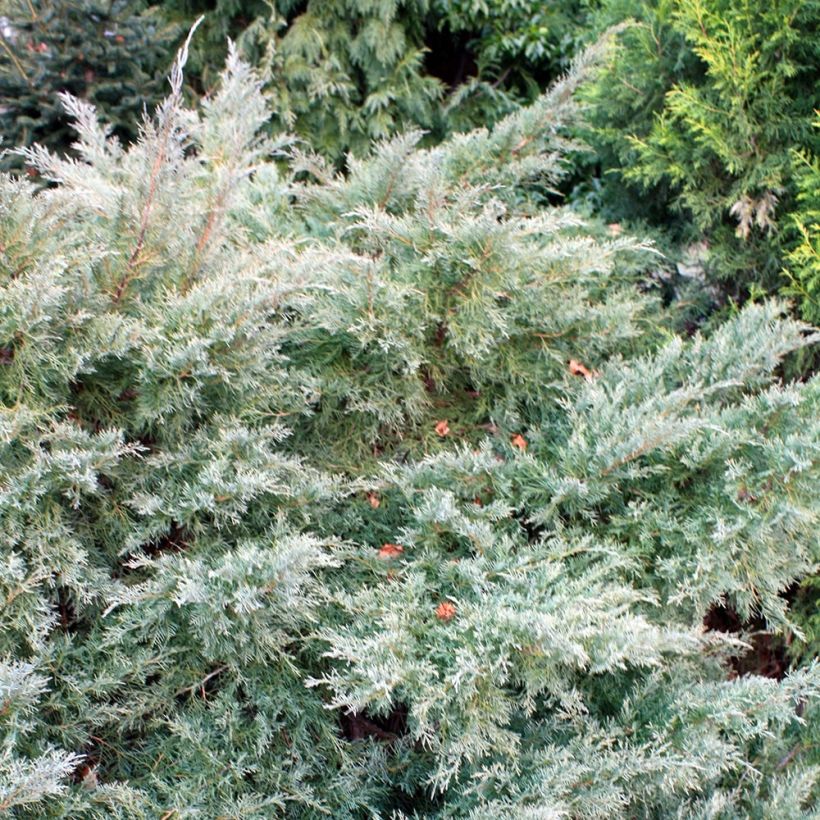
342 73
804 259
380 496
698 118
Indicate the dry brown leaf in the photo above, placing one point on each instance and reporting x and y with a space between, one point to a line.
374 500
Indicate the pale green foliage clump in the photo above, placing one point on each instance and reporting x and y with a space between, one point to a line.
222 383
27 779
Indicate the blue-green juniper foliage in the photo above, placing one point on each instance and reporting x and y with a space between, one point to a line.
223 373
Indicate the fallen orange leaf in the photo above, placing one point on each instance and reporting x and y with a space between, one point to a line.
578 369
519 441
442 428
446 611
389 551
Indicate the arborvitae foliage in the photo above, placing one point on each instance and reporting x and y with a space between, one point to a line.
113 54
803 260
344 73
339 74
701 111
384 495
512 35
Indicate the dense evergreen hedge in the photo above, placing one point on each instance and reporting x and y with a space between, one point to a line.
385 494
359 462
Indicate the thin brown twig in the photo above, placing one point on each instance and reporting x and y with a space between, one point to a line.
213 215
201 684
172 103
146 214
